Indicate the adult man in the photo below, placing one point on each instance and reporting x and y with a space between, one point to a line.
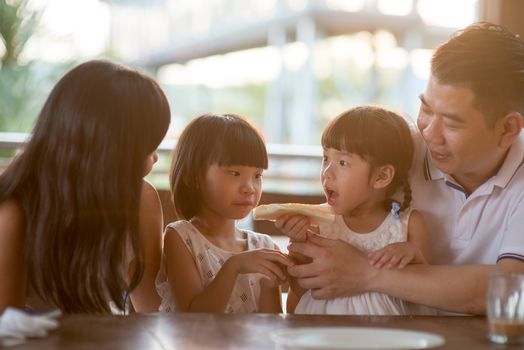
467 180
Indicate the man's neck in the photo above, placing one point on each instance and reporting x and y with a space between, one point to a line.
471 181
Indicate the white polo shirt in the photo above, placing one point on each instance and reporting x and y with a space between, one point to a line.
481 228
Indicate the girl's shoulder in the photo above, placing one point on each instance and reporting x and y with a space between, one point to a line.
407 213
182 227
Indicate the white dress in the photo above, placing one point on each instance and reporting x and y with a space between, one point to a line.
209 260
391 230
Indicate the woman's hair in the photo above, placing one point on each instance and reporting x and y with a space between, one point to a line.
211 139
488 59
379 136
79 183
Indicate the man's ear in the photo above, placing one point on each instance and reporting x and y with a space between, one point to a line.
383 176
509 127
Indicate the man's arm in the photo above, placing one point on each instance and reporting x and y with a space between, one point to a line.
338 269
459 288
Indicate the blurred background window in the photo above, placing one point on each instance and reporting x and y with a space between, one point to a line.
288 65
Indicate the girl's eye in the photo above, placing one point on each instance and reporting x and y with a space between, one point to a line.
324 159
234 173
343 163
258 176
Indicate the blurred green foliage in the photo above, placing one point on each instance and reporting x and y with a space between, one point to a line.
24 83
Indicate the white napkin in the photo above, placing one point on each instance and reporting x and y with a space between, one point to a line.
17 325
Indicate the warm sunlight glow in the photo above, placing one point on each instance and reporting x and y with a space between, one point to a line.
233 69
420 60
72 29
448 13
395 8
346 5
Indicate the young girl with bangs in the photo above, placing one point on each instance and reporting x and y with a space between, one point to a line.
209 265
367 153
80 229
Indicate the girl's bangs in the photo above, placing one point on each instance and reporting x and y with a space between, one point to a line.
348 135
240 145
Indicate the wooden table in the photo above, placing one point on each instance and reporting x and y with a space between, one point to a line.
214 331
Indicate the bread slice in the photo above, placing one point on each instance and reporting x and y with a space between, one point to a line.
319 213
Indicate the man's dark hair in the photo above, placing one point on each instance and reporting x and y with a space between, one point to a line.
488 59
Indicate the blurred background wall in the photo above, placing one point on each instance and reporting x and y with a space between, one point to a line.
288 65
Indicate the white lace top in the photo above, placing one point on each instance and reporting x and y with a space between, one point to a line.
391 230
209 259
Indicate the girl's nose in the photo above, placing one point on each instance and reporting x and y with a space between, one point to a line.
248 187
155 156
326 172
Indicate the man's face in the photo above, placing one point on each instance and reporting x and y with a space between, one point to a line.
457 135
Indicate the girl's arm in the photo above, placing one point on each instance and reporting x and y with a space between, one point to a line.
294 294
270 299
13 274
418 236
187 288
292 301
144 296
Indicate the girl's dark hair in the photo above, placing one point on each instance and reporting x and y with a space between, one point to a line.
211 139
379 136
488 59
79 183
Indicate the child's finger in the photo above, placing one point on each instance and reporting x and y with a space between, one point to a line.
263 269
394 261
376 255
281 221
295 223
403 262
384 260
299 231
278 257
275 269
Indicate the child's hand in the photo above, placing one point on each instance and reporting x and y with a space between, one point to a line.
393 255
295 287
294 226
269 262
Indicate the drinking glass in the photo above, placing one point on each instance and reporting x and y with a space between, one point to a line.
505 307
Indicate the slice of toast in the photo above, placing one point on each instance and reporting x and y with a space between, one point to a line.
319 213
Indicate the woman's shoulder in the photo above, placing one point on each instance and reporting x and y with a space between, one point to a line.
150 213
11 216
149 194
12 257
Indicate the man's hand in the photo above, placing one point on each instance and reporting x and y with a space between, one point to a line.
337 268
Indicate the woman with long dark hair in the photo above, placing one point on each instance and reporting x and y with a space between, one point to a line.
80 229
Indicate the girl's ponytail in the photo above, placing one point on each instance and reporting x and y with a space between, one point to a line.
407 196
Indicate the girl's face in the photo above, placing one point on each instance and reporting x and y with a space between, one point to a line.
231 191
346 181
151 159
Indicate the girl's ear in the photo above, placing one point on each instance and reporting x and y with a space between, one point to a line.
383 176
